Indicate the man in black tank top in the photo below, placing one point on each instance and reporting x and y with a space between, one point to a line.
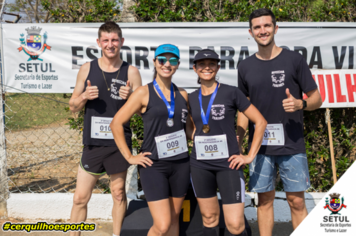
102 87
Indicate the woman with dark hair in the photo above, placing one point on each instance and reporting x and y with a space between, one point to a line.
216 162
164 161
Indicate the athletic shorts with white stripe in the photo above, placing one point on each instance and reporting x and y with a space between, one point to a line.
231 184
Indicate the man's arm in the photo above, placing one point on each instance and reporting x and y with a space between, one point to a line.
242 120
134 81
314 100
290 104
80 97
242 123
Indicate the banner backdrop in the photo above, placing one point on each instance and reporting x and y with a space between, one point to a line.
45 58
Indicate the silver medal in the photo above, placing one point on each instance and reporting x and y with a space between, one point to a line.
170 122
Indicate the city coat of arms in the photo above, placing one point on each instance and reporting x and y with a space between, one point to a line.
34 45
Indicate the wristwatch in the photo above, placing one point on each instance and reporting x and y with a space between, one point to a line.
304 104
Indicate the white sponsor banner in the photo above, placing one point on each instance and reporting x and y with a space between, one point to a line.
45 58
335 214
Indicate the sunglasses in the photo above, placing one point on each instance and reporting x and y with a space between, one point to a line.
162 60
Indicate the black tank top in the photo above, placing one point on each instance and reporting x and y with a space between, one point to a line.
108 102
155 118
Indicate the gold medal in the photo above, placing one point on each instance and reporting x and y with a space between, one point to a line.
206 129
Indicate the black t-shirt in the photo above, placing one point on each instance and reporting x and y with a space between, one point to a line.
265 82
228 100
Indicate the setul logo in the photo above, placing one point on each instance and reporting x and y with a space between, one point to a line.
335 222
335 204
33 45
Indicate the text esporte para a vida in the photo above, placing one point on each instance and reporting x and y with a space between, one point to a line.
139 56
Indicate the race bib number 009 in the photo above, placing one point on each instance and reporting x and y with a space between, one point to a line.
171 144
100 128
211 147
274 135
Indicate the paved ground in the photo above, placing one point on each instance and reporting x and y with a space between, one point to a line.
104 228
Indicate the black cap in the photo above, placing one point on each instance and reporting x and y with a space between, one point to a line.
206 54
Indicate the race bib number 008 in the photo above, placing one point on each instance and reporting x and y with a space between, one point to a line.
211 147
274 135
100 128
171 144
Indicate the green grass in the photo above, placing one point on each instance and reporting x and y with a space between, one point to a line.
26 111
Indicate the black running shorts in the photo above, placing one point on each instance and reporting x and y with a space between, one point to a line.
165 179
98 160
230 183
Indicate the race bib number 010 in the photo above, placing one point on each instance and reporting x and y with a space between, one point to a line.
100 128
211 147
274 135
171 144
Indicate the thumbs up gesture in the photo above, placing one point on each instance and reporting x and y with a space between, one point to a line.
125 91
91 92
290 104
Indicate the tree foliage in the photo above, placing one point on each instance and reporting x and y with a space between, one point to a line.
318 145
82 10
31 10
239 10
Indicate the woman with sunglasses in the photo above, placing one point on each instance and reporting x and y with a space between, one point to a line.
164 161
216 162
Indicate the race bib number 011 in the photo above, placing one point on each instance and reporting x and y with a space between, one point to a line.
171 144
100 128
274 135
211 147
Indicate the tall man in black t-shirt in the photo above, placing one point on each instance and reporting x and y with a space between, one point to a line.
103 87
274 79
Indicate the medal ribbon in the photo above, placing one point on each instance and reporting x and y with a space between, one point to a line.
204 117
170 107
